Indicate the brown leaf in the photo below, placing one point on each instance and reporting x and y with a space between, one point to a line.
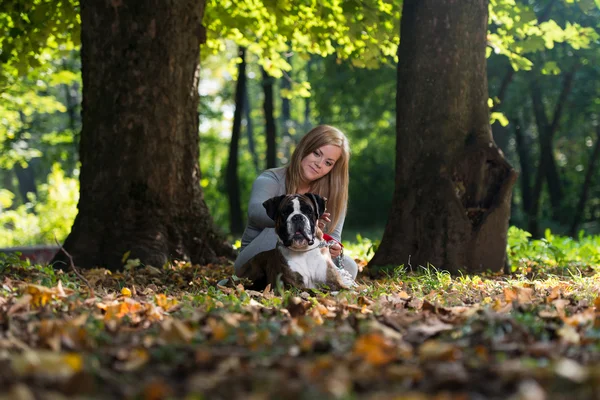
430 327
522 295
297 307
158 389
135 359
434 350
175 331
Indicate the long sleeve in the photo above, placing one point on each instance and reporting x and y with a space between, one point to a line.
266 186
337 231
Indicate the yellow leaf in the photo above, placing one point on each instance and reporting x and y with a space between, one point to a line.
218 328
40 295
375 349
164 302
126 292
74 361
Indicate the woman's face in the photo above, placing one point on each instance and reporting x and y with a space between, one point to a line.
318 163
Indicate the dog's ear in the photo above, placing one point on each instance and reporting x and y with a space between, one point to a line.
318 202
272 205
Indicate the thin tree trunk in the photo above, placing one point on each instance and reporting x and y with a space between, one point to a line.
499 132
286 117
26 178
72 102
525 164
236 222
270 130
585 189
307 123
140 191
250 129
547 168
453 188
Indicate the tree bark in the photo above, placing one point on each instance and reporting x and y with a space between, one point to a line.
270 130
140 190
453 186
236 222
585 189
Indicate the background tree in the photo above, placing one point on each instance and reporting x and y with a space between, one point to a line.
452 198
236 222
140 129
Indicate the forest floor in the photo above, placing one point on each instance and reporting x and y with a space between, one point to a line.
173 332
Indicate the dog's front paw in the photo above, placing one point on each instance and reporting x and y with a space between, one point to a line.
346 279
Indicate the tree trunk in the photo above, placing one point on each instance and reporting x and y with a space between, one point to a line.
585 189
307 123
525 164
26 178
72 102
250 130
286 119
453 186
269 110
236 222
140 174
547 165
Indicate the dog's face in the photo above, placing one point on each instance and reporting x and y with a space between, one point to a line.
296 217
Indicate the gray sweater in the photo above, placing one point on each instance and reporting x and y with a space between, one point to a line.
269 184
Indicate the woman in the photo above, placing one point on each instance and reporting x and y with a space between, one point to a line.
319 165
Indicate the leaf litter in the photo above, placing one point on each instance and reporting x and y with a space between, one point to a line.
174 332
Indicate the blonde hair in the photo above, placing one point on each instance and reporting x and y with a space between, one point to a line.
334 185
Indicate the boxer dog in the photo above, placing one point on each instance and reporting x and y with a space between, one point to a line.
301 257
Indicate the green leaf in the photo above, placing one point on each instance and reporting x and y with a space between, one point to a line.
550 68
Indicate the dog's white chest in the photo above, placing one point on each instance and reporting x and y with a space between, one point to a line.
312 265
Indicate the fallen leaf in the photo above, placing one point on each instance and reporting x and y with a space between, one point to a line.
135 359
46 364
568 334
434 350
375 349
571 370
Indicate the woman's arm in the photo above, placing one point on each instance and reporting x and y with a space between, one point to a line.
264 187
336 233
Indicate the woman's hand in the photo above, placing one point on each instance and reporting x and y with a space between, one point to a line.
335 250
326 217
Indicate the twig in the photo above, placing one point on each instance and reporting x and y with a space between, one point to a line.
92 294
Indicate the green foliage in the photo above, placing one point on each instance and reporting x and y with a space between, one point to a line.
552 251
31 32
367 32
44 218
516 32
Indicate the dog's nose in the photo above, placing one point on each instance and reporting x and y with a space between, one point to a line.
297 218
